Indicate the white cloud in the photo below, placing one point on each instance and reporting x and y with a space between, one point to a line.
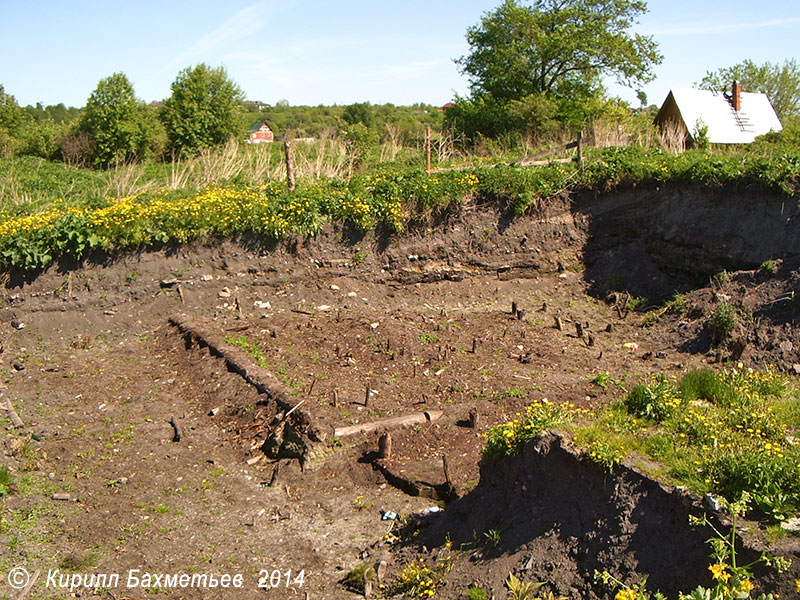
244 23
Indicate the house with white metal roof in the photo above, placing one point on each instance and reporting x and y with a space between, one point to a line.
733 117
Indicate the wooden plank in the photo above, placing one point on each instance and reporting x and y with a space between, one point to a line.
413 419
541 163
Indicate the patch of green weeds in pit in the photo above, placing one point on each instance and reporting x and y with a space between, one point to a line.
252 349
769 267
428 338
6 482
604 380
722 322
76 562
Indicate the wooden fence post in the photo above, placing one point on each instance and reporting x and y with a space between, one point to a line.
428 148
287 146
580 150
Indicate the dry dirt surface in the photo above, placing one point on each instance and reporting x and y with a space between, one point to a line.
109 362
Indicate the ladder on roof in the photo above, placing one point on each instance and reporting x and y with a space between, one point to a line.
742 120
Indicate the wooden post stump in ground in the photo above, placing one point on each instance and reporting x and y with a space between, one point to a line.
385 445
473 418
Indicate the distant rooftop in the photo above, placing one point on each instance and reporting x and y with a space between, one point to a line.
726 125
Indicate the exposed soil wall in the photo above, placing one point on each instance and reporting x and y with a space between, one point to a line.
560 518
684 232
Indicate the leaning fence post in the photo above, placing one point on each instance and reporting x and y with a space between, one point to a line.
289 165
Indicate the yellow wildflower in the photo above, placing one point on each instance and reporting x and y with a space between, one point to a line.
627 594
718 571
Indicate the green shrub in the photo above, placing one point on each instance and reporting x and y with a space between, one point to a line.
769 267
656 400
723 321
506 439
476 593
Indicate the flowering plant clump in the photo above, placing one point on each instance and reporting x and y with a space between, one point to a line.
419 581
507 438
33 241
656 400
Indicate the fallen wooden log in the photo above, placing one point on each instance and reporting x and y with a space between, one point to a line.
260 378
413 419
15 420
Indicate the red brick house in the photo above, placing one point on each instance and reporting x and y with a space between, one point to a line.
261 133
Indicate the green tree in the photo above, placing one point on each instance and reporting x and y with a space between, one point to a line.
360 112
203 110
781 83
114 121
555 45
535 67
12 118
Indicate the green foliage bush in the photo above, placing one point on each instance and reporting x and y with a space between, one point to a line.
723 321
506 439
657 400
203 110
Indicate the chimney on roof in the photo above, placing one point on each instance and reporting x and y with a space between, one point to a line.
736 96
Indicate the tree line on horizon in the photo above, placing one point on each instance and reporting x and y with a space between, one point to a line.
535 71
206 109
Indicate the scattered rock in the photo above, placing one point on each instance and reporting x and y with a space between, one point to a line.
334 287
224 293
206 277
17 324
61 497
791 525
795 370
712 502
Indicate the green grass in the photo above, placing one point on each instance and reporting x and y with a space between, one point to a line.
252 349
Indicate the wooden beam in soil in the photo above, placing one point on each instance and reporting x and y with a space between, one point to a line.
401 421
238 362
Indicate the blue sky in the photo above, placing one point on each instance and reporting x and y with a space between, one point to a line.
334 52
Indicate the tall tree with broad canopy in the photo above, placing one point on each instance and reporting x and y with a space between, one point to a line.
203 109
781 83
115 121
552 45
551 56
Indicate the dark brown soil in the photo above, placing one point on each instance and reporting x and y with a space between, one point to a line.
96 371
